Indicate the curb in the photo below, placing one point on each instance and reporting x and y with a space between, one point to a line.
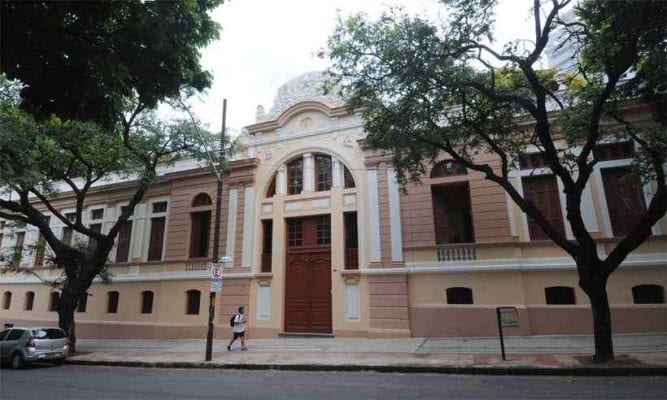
649 370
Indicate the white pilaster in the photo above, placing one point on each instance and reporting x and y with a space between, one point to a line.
248 225
337 171
281 182
308 173
373 217
139 230
395 216
231 223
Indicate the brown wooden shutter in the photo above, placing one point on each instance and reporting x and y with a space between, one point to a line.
199 235
124 237
156 239
625 199
543 192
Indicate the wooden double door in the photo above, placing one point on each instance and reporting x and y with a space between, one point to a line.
308 275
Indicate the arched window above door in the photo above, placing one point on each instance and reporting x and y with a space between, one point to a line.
202 199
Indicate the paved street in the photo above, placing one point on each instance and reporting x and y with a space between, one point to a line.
87 382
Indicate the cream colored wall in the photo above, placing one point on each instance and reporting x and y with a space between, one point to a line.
526 287
169 303
40 308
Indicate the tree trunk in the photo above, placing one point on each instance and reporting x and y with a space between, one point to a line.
66 306
604 347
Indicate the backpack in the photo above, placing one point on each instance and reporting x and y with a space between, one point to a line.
231 321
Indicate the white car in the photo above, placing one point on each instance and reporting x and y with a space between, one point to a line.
19 345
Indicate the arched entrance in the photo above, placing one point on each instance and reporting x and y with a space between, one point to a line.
308 275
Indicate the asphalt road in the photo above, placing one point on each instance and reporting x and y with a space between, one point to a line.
87 382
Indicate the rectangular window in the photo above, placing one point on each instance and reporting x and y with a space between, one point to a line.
83 303
54 297
452 214
159 207
193 299
625 199
92 242
112 302
147 302
199 236
555 295
267 244
18 247
614 151
29 301
531 161
351 240
124 238
294 233
97 214
40 249
323 224
156 240
542 191
295 176
322 173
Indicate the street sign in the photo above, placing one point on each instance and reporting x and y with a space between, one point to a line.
509 317
216 277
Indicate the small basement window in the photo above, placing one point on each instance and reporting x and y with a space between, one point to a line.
648 294
559 295
459 295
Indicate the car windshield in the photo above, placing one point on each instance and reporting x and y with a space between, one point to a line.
48 333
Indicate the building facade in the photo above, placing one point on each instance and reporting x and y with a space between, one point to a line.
323 240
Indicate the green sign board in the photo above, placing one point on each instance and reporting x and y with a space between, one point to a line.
509 317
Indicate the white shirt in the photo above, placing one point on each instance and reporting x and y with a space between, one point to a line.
239 323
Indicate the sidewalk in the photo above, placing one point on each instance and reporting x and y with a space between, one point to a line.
644 354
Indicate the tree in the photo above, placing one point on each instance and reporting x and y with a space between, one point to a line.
81 60
42 161
90 75
426 90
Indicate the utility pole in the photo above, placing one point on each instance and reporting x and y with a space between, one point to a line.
216 231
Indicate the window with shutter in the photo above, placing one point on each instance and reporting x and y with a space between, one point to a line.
124 238
156 240
625 199
199 235
542 191
452 214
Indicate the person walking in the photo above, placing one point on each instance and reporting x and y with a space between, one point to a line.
238 328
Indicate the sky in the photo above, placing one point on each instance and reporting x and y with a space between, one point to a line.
265 43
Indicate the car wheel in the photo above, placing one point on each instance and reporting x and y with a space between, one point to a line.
17 361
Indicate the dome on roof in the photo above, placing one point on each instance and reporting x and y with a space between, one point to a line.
305 87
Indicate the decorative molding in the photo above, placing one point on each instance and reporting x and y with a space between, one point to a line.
323 202
267 208
349 199
292 205
525 264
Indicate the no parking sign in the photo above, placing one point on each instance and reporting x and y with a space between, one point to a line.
216 277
